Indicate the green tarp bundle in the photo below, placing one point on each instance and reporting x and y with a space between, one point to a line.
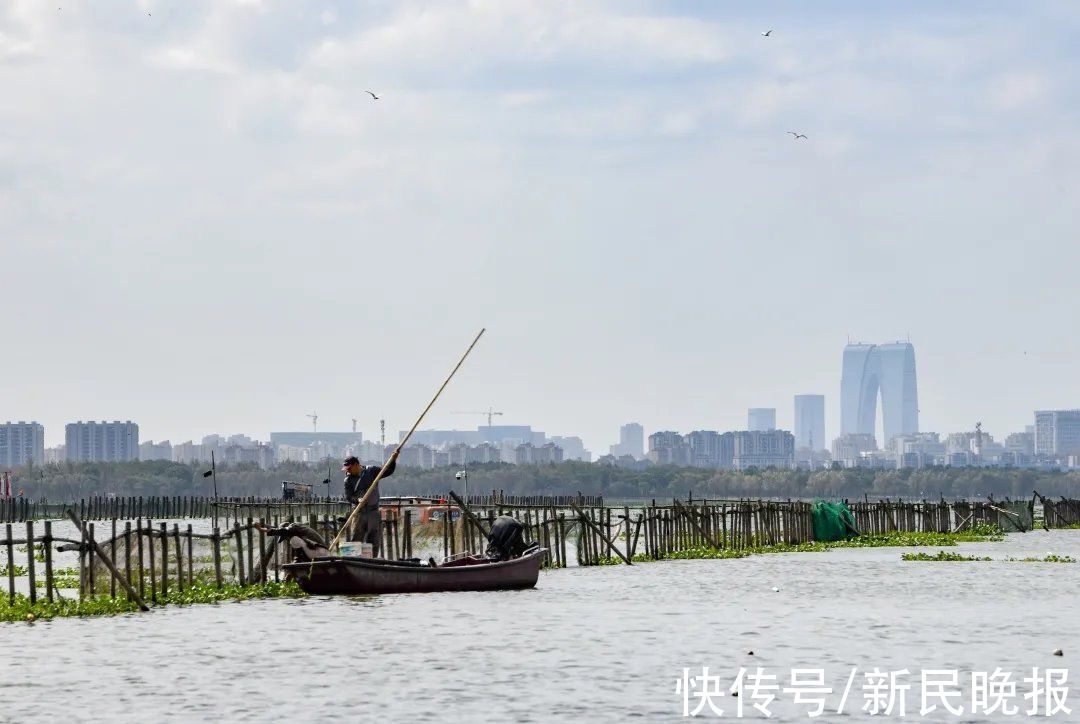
832 521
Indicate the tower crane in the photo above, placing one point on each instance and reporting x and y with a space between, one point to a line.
490 412
314 421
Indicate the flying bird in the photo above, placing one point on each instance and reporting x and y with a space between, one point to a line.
767 33
372 95
796 136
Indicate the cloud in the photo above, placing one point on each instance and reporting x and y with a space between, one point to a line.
517 99
573 165
16 51
1018 91
476 41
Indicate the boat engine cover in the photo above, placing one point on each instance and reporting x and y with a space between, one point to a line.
306 543
506 540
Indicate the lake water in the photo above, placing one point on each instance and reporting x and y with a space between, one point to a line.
597 644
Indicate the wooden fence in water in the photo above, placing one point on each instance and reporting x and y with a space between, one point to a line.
179 507
156 558
1063 513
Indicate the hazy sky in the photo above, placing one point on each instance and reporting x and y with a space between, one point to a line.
207 225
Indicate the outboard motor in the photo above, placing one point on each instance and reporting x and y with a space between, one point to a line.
506 540
305 542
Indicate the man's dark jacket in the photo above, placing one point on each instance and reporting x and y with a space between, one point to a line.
357 485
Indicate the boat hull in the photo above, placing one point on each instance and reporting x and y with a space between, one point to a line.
339 575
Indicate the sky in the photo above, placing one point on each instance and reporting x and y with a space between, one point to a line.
208 225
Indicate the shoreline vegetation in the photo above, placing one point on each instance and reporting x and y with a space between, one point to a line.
980 533
20 609
956 557
71 481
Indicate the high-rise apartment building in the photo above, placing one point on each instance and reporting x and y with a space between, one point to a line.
668 448
761 419
631 441
870 369
189 452
256 452
323 444
1021 442
151 450
710 449
810 422
573 447
763 449
21 443
704 448
1057 432
546 454
102 441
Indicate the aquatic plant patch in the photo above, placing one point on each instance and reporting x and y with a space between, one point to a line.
941 556
1050 558
22 610
883 540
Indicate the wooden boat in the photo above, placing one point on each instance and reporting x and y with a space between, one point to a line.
354 575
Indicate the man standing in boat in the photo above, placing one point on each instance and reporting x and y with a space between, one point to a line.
367 526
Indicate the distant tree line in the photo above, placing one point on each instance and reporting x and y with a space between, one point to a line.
70 481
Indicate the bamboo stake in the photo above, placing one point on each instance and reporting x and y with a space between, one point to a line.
371 488
584 519
470 516
690 517
109 564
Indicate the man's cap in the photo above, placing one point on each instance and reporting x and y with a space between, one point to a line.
351 460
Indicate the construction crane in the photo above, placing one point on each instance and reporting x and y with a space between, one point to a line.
314 421
490 412
354 424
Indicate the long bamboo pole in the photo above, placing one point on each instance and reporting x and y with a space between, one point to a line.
393 456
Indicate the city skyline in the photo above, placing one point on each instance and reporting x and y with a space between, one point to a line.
870 374
1051 443
811 403
297 246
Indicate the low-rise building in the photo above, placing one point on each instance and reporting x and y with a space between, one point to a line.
55 454
848 449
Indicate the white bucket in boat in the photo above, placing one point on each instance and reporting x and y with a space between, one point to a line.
355 548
